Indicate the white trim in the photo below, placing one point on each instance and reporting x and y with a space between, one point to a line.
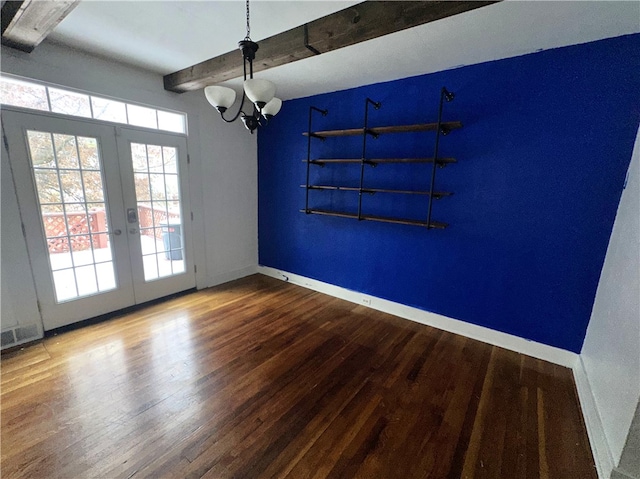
480 333
231 275
602 454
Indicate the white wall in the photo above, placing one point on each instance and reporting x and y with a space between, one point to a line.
230 173
223 170
611 352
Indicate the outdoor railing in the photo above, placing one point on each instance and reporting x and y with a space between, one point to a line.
75 232
149 217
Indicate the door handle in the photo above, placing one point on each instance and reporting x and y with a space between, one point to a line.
116 232
133 230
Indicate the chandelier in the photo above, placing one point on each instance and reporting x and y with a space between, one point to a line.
260 92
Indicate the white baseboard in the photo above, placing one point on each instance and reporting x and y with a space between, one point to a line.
486 335
595 430
217 279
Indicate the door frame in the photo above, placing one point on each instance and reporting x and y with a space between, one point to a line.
16 122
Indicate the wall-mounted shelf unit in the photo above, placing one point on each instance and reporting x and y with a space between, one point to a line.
440 128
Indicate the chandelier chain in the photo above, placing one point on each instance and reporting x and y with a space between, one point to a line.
248 37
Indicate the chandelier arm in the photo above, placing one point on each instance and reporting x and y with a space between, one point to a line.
262 120
239 110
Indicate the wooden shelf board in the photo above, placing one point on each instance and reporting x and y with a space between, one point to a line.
383 219
381 130
331 187
321 161
407 192
376 190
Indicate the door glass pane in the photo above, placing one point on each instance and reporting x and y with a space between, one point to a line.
106 277
70 190
48 186
88 150
172 187
157 182
161 235
66 151
87 280
41 152
98 221
139 157
92 181
143 192
169 155
80 254
65 284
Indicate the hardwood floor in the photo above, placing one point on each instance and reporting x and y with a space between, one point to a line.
262 379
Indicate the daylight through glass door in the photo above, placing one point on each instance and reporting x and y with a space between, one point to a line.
157 188
69 185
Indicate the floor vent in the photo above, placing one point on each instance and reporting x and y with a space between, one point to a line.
7 338
26 332
19 334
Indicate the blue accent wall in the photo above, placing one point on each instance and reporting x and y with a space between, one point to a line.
542 158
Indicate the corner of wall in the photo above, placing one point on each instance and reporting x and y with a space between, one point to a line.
608 373
602 455
221 278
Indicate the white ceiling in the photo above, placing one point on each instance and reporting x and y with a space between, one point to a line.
168 36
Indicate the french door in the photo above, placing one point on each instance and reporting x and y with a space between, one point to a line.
105 211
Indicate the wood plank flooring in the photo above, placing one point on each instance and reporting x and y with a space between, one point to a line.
262 379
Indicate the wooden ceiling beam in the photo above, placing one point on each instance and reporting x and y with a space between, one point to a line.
352 25
25 24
